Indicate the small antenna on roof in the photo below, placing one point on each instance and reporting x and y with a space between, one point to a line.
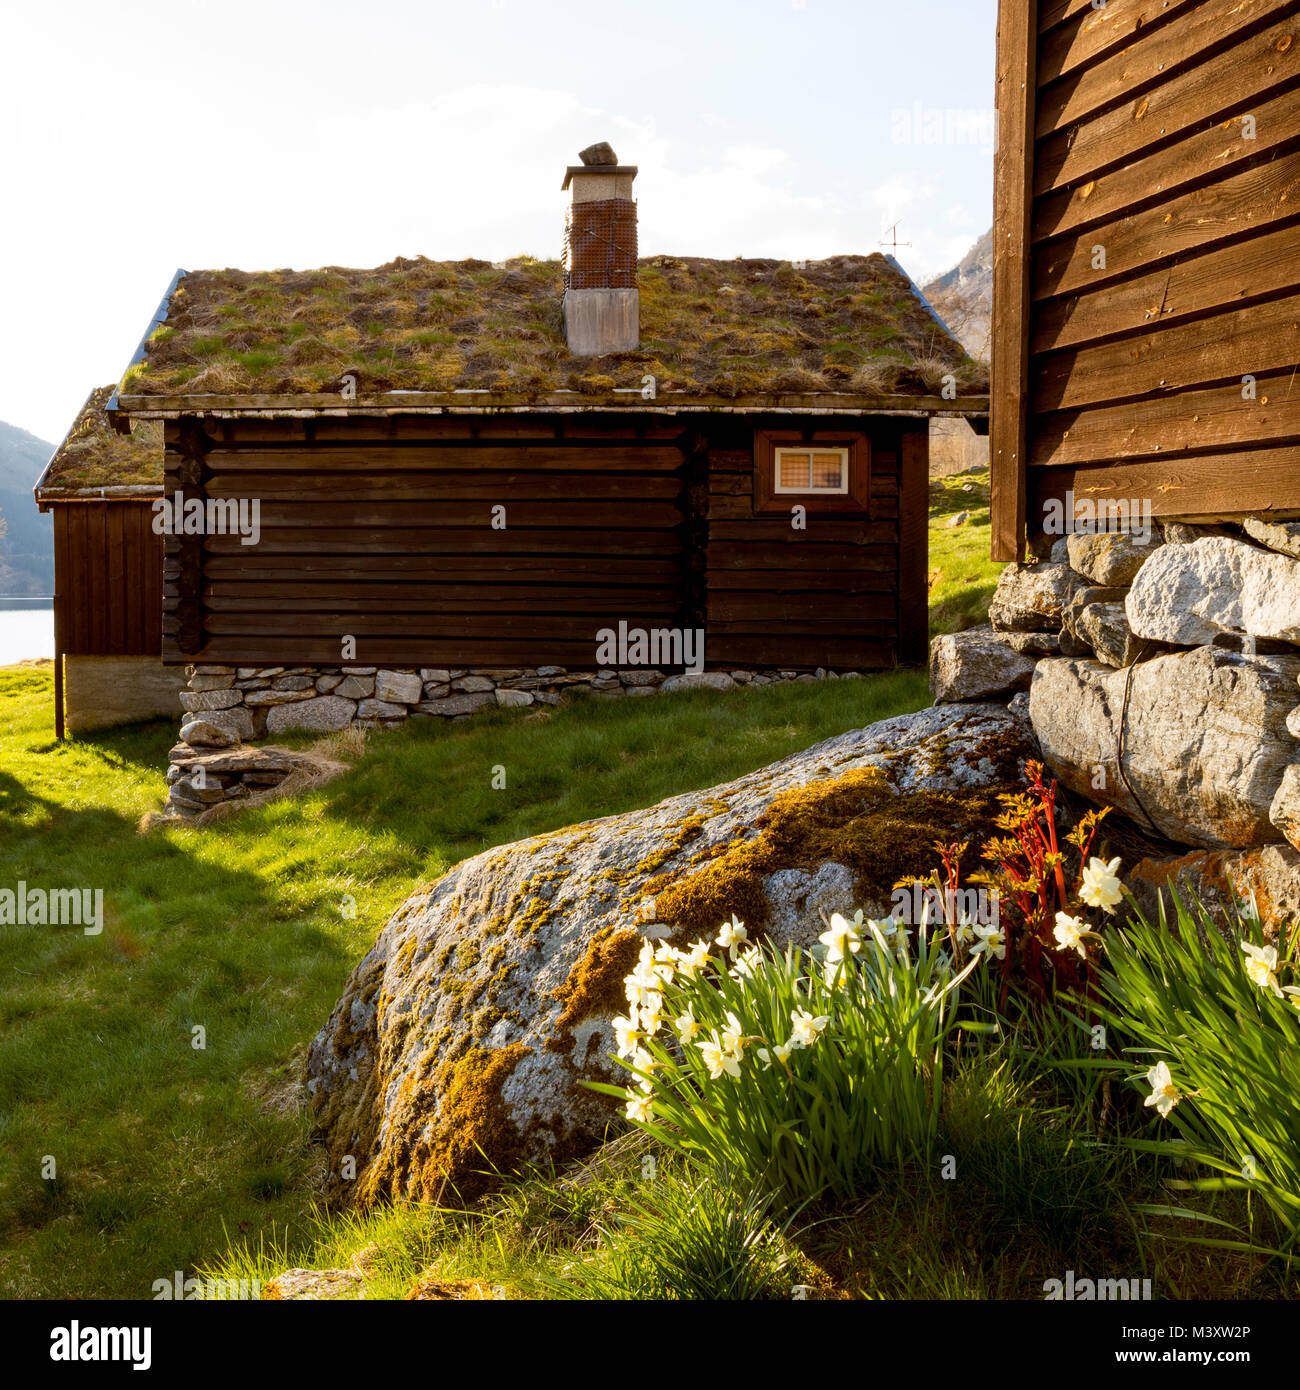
895 243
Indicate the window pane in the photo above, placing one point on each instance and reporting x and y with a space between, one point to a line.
794 469
827 470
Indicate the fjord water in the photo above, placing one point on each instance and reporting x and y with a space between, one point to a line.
26 630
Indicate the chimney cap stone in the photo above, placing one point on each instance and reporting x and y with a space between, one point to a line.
578 170
602 152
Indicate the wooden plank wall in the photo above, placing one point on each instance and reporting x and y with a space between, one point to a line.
381 530
824 596
1137 352
108 578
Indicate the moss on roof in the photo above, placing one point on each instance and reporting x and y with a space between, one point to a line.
94 455
732 328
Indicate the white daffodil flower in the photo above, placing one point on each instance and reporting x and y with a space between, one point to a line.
627 1033
666 960
639 1108
686 1025
1101 886
765 1057
1164 1094
805 1028
1069 933
991 942
733 1036
693 961
1261 966
964 931
641 988
645 1061
747 962
731 934
782 1051
834 972
651 1016
842 938
717 1058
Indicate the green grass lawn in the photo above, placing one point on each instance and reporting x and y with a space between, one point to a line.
160 1148
962 577
163 1152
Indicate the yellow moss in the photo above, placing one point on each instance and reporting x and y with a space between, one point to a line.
595 984
853 819
472 1121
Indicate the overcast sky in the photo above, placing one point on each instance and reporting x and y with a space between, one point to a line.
142 137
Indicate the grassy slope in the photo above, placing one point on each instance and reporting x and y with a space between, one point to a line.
962 577
237 929
162 1148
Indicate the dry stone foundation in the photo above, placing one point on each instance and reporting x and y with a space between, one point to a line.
224 707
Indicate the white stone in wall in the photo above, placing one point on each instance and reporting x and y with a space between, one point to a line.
398 687
1030 598
1186 594
324 714
380 709
355 687
204 733
514 698
1282 536
210 699
1108 557
974 665
1204 743
1285 810
698 680
276 697
237 723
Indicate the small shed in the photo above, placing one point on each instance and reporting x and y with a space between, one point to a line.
1146 320
99 486
476 465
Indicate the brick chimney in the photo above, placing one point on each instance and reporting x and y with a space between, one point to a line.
601 304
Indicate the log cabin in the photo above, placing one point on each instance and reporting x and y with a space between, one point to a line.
481 466
99 487
1146 320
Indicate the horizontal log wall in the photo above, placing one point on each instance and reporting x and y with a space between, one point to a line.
1163 258
108 578
383 531
827 595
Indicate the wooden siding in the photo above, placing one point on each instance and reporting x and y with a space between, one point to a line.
108 579
827 595
381 530
1123 128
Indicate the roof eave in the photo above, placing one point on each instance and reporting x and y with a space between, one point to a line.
118 492
147 407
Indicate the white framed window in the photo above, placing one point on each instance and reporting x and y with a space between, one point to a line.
820 469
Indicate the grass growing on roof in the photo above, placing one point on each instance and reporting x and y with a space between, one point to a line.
741 327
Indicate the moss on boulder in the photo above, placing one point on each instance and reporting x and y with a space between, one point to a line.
463 1037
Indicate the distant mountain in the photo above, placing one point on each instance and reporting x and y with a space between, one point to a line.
963 297
27 547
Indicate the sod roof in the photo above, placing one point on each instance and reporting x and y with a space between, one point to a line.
738 328
95 455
